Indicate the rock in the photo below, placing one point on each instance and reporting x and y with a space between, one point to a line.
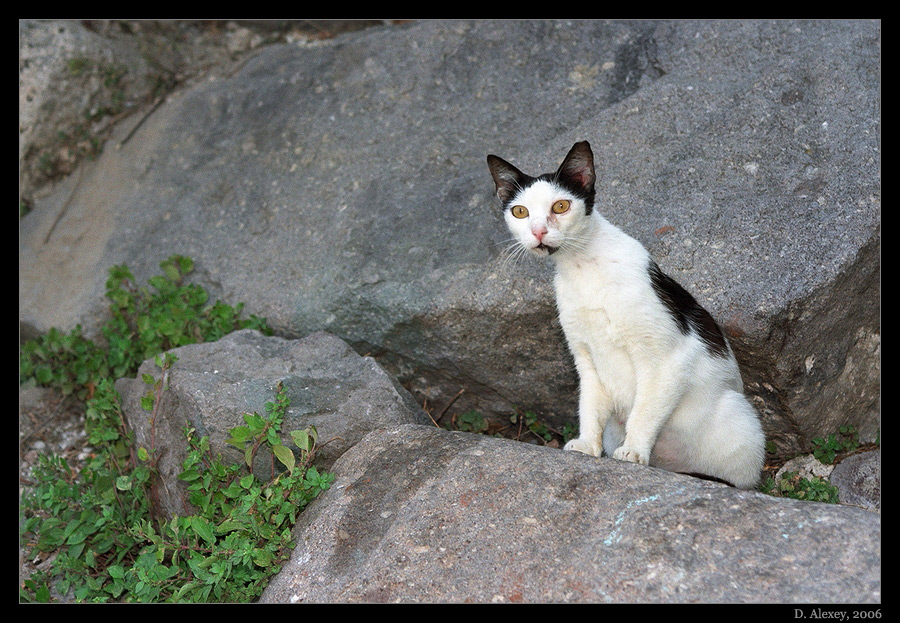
806 466
70 80
418 514
212 385
341 186
858 479
77 77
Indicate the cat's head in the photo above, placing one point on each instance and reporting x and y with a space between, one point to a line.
550 212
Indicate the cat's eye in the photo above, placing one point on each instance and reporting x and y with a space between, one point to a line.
561 206
519 211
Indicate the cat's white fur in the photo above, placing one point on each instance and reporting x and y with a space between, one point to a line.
649 393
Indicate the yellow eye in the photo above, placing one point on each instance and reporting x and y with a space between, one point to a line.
519 211
560 206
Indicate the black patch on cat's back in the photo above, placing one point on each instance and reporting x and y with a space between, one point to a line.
687 312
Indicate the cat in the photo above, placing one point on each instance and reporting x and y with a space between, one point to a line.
658 382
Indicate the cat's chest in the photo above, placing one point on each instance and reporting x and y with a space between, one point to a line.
596 304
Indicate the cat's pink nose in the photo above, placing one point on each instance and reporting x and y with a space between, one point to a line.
539 233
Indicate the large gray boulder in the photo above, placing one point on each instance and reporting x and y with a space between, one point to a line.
212 385
342 186
418 514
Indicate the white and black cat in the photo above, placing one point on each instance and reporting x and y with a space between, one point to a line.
659 384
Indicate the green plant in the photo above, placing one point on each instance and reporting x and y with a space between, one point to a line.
569 432
827 448
241 533
109 547
84 516
791 485
534 425
97 521
144 322
471 421
529 421
69 362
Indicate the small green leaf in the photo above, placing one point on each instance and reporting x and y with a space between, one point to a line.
229 525
189 474
42 594
262 557
43 375
115 589
202 528
255 422
171 272
301 439
284 454
239 434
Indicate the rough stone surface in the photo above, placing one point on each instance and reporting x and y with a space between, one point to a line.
77 78
417 514
67 75
858 479
342 186
212 385
806 466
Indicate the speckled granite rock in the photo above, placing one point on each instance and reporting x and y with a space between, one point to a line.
417 514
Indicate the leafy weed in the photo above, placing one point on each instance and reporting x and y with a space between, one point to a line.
97 524
826 449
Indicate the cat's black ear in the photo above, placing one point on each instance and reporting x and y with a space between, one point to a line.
507 178
578 167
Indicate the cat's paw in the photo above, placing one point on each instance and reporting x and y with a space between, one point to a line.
625 453
584 446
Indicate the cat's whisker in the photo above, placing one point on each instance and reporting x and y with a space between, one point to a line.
513 252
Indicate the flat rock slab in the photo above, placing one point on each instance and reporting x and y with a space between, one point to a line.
417 514
212 385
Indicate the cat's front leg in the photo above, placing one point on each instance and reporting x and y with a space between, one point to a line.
583 445
594 407
632 455
641 431
657 395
